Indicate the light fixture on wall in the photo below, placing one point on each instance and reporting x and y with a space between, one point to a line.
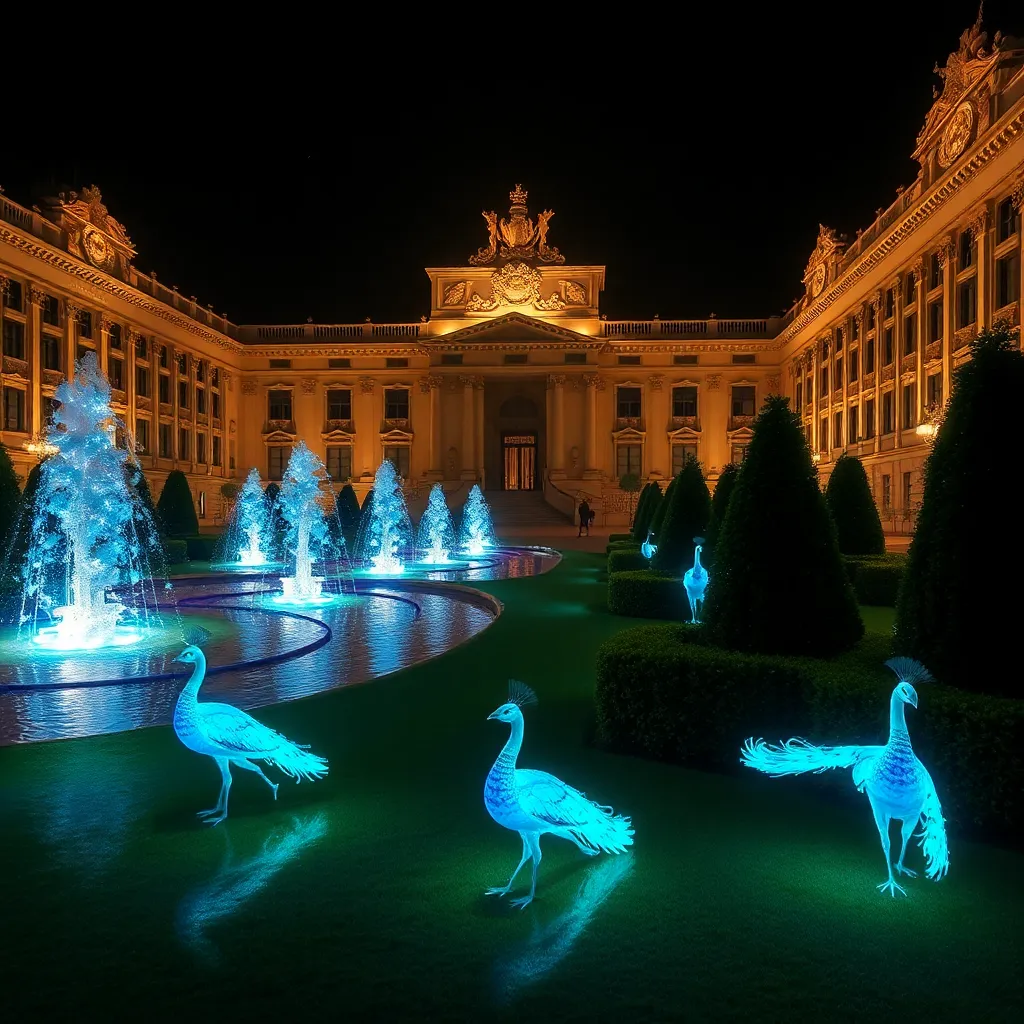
816 457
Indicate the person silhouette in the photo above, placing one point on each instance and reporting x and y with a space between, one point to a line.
585 514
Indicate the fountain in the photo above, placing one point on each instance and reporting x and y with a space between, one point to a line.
308 535
86 526
476 532
249 537
436 538
386 534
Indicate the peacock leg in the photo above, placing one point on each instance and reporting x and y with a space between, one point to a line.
249 766
534 840
221 811
882 821
907 831
501 891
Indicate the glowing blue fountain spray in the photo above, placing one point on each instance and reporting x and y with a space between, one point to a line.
436 537
385 542
249 537
476 531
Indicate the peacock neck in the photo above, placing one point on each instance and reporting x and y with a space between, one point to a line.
696 559
191 690
510 752
897 719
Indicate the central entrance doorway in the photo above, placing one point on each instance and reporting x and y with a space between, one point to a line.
519 458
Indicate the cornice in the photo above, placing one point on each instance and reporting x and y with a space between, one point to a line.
1001 137
686 347
70 265
314 351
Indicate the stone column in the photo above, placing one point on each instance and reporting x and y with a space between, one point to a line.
468 429
591 469
478 412
654 412
816 396
193 366
103 323
370 437
431 386
897 359
878 307
920 291
861 322
71 314
979 228
37 298
556 461
175 429
1017 198
946 253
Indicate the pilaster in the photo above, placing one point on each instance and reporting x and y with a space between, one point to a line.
556 455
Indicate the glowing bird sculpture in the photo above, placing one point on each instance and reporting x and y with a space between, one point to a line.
647 549
696 582
533 803
231 737
897 784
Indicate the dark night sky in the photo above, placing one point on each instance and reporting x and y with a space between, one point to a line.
697 171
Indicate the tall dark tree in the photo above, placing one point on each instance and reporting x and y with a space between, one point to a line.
954 612
175 508
272 496
686 516
779 585
10 500
720 505
662 507
18 545
348 513
848 496
646 508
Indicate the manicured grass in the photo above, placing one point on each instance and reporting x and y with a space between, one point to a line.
745 896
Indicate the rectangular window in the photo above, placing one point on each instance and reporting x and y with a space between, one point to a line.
398 456
886 492
217 443
339 462
280 364
231 455
871 318
201 400
869 355
739 453
629 360
909 290
888 413
910 334
182 366
184 444
451 358
684 400
799 395
279 405
141 437
82 351
907 492
887 347
115 336
684 360
869 418
182 394
743 360
823 434
967 303
680 453
890 302
854 364
201 448
909 405
935 321
141 347
49 404
115 374
165 357
934 392
629 404
576 358
165 441
396 404
165 388
628 459
14 409
837 373
216 406
277 460
339 363
52 351
85 324
201 371
934 271
855 329
823 389
15 295
839 339
744 397
852 436
1007 280
393 363
141 381
966 250
51 311
14 339
1006 220
515 358
339 404
837 430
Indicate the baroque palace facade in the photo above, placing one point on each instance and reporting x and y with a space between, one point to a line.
515 379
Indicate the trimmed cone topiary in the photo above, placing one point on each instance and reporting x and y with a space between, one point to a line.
364 514
659 513
272 496
955 612
686 516
644 511
719 506
175 508
779 585
10 500
348 513
848 496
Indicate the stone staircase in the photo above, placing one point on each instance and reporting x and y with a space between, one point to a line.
514 509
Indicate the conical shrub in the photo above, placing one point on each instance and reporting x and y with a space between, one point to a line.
348 513
719 507
779 585
849 500
644 511
956 611
177 513
686 516
662 507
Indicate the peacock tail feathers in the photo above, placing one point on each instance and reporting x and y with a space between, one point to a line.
607 833
933 837
796 756
519 693
908 670
297 762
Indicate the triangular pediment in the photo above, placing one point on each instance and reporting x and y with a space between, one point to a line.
515 328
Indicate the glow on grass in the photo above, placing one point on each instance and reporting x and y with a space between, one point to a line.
897 784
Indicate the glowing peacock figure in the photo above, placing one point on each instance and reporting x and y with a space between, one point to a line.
533 803
647 549
231 736
897 784
696 582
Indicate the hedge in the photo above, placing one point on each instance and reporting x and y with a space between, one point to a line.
647 594
876 578
664 692
625 559
175 550
621 545
201 547
625 537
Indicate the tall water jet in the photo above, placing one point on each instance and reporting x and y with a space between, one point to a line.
436 536
385 537
476 531
86 525
309 540
249 537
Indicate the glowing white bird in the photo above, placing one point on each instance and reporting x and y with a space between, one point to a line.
647 549
695 582
533 803
231 736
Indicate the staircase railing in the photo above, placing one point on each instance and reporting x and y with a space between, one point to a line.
567 503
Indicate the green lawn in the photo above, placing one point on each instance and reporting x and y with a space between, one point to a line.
361 897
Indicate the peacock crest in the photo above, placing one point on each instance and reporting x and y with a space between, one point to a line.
908 670
520 694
